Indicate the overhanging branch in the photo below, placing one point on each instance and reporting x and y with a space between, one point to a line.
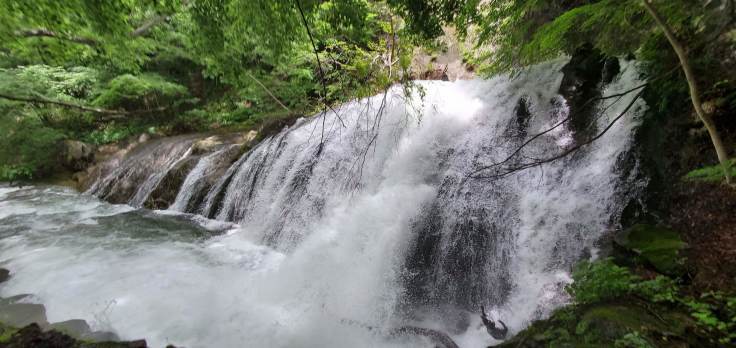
110 114
503 172
51 34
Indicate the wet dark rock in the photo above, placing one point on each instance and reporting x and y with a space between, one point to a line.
76 328
273 126
166 191
580 84
523 116
611 69
4 274
33 336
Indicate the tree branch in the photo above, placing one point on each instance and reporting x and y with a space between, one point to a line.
268 91
48 33
565 153
692 83
321 72
148 25
137 32
112 114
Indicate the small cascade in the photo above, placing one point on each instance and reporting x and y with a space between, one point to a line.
196 182
132 178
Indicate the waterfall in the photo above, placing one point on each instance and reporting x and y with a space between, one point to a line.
372 220
132 178
195 181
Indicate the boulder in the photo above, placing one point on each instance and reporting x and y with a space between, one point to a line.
22 314
77 155
32 336
76 328
657 246
4 274
101 336
165 193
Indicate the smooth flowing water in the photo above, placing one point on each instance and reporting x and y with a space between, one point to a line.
337 243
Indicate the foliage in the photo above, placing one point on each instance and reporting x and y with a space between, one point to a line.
27 147
602 281
140 92
599 281
356 40
632 340
659 289
511 34
182 66
716 312
711 173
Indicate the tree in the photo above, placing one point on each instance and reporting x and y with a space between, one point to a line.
694 90
512 34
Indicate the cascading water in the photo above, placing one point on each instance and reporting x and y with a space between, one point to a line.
132 179
342 235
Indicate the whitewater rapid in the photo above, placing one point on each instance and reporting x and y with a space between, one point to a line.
332 245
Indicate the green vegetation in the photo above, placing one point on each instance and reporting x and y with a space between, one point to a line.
6 332
677 42
711 173
615 305
103 72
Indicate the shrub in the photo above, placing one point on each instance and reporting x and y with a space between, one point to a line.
140 92
659 289
600 280
711 173
28 149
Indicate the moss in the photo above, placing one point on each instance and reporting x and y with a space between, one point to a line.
658 246
6 332
711 173
603 324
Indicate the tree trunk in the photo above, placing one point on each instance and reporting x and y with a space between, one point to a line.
694 91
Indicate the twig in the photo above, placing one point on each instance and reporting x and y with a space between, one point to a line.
43 100
563 121
268 91
321 72
556 157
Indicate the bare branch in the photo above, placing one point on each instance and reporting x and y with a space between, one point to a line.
148 25
268 91
51 34
137 32
321 71
112 114
565 153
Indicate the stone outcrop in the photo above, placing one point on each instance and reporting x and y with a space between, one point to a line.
77 155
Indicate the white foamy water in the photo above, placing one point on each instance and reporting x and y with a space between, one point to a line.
379 227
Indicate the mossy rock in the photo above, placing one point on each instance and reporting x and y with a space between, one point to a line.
603 324
658 246
6 332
